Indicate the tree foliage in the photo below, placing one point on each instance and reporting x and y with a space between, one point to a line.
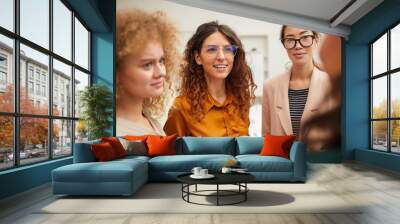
96 103
33 130
380 127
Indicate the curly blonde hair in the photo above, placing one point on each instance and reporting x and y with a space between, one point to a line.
239 82
135 28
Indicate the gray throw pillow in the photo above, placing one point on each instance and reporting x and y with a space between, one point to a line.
134 147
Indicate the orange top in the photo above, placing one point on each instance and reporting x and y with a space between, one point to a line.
220 119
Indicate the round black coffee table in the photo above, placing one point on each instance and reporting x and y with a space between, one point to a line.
238 179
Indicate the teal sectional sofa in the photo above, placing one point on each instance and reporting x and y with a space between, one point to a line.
125 176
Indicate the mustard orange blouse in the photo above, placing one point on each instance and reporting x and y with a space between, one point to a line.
220 119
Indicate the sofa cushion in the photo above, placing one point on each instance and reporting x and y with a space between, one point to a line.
116 145
208 145
103 151
161 145
277 145
249 145
134 147
257 163
97 172
185 163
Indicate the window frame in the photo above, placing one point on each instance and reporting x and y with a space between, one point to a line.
388 74
16 115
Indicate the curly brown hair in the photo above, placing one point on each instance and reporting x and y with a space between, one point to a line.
136 28
239 82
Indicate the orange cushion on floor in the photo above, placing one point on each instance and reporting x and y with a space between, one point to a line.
103 151
116 145
277 145
161 145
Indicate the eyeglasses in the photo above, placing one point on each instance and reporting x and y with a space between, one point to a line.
229 50
304 41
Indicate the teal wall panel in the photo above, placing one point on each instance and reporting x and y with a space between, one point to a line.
356 82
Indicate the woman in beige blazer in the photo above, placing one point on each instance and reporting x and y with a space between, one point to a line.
299 101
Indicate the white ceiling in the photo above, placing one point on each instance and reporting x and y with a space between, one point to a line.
319 15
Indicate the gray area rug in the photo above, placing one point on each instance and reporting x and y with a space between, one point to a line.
166 198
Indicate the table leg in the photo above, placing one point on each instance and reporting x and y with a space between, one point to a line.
245 191
217 194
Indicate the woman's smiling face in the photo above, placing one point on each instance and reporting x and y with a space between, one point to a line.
216 56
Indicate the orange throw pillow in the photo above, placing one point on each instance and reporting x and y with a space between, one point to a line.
116 145
135 138
277 145
103 151
161 145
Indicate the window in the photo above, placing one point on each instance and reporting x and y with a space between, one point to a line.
30 87
3 71
43 77
38 89
30 72
3 61
385 92
43 90
40 81
3 78
37 75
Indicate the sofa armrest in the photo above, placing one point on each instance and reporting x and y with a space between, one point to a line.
298 157
83 152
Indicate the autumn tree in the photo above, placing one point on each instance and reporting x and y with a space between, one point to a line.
33 130
380 127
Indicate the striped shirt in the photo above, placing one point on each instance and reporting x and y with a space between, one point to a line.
297 101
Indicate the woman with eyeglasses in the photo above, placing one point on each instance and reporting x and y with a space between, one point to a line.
146 56
294 98
217 87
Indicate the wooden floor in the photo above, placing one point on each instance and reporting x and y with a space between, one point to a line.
377 188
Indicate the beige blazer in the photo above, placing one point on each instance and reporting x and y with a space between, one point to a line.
275 109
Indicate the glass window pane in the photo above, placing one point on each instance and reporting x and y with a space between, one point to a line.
62 141
35 21
81 45
6 142
395 138
395 94
81 81
62 89
6 74
379 135
379 55
81 131
395 47
7 14
33 140
379 97
34 96
62 29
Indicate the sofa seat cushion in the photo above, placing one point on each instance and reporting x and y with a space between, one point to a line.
185 163
257 163
112 171
133 158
